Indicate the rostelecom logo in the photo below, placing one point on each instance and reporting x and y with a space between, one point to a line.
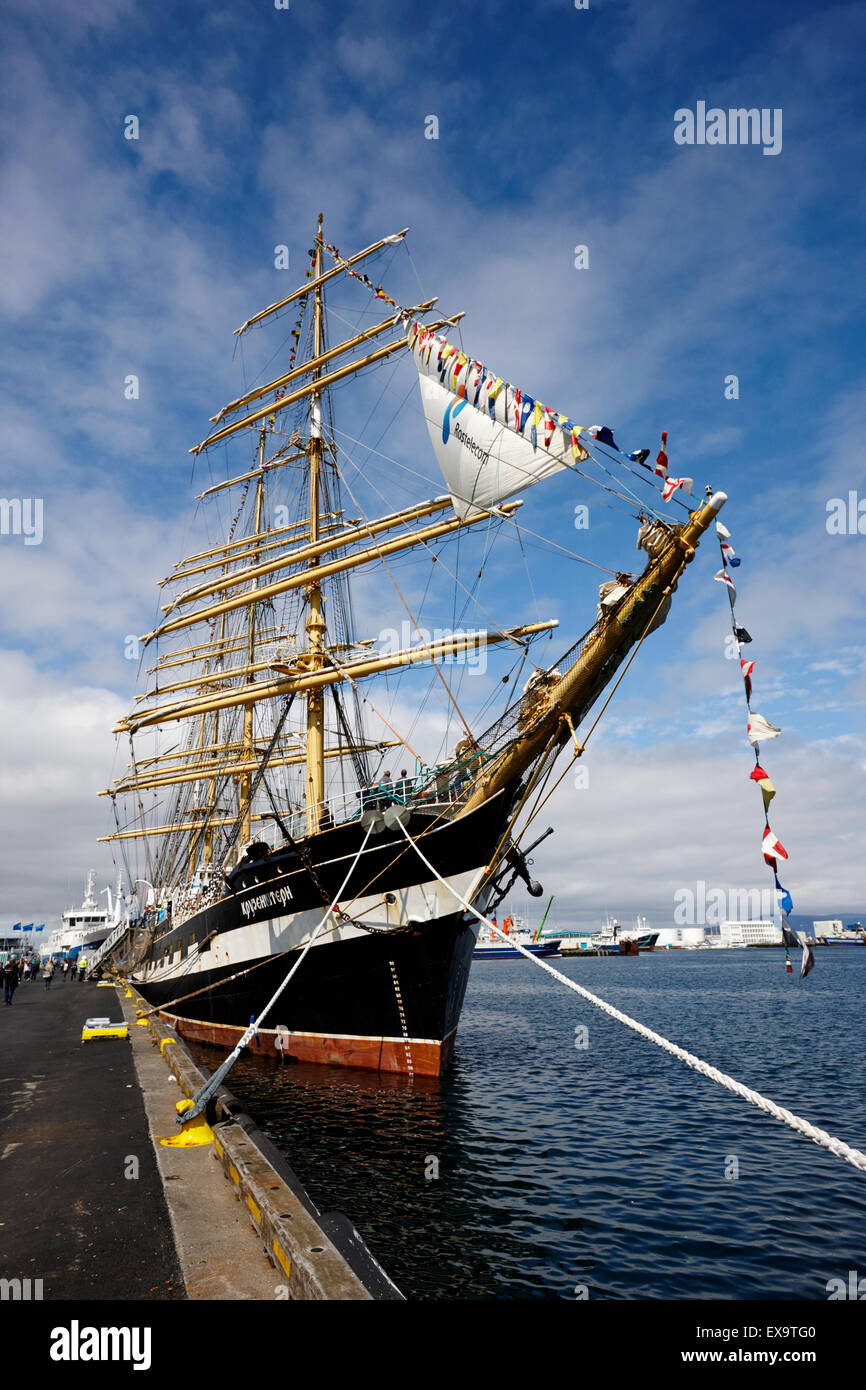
453 410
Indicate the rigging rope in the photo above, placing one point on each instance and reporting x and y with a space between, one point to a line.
216 1078
818 1136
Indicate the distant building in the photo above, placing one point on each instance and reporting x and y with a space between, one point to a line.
762 932
681 936
830 928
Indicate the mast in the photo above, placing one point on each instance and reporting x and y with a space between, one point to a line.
315 621
245 782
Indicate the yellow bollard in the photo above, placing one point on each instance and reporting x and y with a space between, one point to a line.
195 1134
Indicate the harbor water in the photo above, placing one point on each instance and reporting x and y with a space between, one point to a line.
553 1163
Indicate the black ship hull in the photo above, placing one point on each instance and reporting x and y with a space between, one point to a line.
381 988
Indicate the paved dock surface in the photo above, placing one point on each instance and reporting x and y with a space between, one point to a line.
71 1119
75 1119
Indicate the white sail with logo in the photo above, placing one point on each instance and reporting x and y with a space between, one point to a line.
490 439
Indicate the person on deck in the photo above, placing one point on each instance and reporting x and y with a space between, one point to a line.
403 786
10 980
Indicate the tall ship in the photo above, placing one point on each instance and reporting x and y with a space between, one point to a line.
312 778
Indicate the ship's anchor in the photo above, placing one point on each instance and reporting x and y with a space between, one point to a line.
518 861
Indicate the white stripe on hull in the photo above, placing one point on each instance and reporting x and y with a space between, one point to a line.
422 902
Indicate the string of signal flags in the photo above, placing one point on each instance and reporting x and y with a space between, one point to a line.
758 729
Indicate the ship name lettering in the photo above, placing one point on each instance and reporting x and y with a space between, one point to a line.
265 900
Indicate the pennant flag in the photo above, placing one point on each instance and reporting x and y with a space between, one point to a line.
786 902
604 435
722 532
773 848
639 456
758 775
662 459
768 791
729 556
760 728
747 668
807 962
742 635
724 578
17 926
42 928
671 485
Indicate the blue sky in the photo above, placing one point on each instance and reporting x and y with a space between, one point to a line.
555 129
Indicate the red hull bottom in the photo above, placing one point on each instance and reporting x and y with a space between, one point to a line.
408 1056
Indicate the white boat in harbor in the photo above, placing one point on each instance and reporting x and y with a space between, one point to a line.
86 927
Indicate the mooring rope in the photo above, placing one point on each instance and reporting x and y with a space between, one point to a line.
818 1136
216 1078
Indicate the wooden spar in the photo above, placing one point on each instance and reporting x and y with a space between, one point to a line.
322 279
604 650
187 654
208 771
275 462
315 626
212 678
299 581
316 362
309 552
368 666
222 550
166 759
204 825
314 387
243 554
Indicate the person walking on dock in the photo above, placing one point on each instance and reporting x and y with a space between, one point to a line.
82 967
47 974
10 980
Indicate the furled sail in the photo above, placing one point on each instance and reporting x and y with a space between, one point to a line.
490 439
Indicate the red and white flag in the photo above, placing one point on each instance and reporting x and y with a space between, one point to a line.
671 485
724 578
662 459
747 668
773 848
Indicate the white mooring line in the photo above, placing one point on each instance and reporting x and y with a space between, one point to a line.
818 1136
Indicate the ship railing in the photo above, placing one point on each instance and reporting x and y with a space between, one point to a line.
433 788
110 942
